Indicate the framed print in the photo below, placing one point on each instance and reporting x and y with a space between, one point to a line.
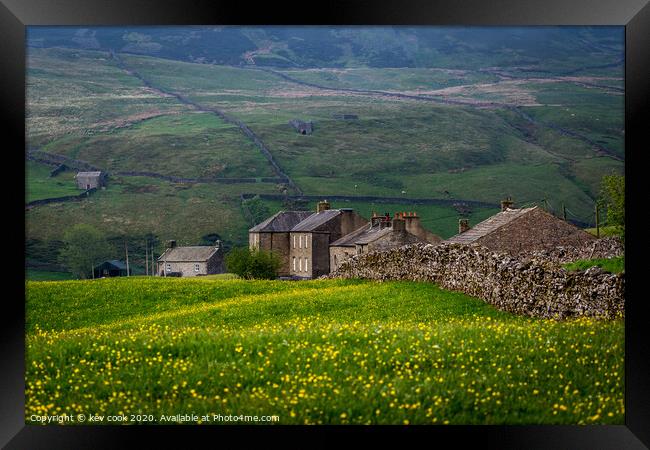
407 221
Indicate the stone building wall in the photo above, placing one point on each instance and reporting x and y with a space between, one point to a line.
338 254
535 287
301 250
278 243
321 254
187 268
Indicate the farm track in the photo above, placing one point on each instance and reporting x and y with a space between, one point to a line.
599 148
223 116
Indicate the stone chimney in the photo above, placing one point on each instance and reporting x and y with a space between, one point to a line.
375 220
171 244
323 205
463 225
507 203
399 224
412 223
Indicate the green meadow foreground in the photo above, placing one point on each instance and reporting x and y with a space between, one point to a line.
323 352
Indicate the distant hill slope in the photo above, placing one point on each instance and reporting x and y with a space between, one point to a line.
553 49
543 130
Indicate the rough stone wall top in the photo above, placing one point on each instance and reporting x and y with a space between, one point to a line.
535 287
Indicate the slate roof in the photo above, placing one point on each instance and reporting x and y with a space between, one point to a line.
373 235
489 225
115 263
281 221
362 235
88 174
314 221
191 254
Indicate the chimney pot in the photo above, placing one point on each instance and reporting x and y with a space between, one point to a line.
507 203
323 205
463 225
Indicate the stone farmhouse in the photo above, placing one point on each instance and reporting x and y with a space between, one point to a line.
515 231
381 234
310 239
273 235
311 244
90 180
191 261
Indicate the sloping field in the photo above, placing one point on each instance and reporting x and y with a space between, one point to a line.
325 351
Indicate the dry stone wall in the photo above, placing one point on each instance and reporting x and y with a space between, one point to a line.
535 287
608 247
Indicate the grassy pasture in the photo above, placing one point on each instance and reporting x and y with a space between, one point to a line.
613 265
326 351
191 145
81 104
39 185
139 205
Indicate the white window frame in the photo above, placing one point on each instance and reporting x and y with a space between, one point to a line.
300 241
168 267
294 241
300 263
197 267
306 264
294 263
307 240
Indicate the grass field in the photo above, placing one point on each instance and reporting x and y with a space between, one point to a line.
46 275
39 185
82 104
325 351
613 265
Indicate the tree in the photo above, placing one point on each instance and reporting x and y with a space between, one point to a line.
613 193
253 264
255 210
84 247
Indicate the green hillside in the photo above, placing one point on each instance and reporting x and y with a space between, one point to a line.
476 133
327 351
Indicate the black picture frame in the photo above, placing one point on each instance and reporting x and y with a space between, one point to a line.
15 15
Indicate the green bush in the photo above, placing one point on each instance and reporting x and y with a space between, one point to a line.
253 264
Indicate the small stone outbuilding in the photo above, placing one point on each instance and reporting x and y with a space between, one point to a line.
191 261
90 180
302 127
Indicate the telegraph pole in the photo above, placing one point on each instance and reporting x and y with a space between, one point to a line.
146 257
126 249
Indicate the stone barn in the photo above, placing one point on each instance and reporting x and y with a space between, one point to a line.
381 234
515 231
302 127
191 261
90 180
